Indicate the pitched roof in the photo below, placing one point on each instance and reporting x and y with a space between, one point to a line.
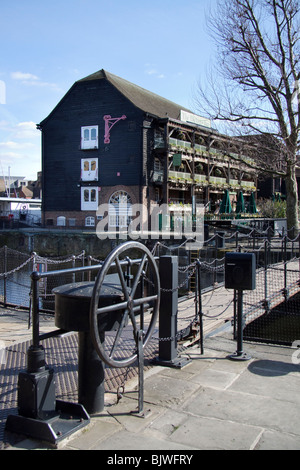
140 97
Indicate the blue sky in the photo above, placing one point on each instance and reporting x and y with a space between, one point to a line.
161 45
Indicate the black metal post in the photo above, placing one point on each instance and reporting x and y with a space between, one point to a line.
234 313
140 412
35 353
200 313
141 371
41 416
240 355
5 277
91 372
168 270
266 302
285 290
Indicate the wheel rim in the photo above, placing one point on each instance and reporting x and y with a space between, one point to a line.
139 299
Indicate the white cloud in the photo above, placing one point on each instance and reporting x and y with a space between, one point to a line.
8 156
23 76
151 72
32 80
24 132
15 145
150 69
20 148
27 130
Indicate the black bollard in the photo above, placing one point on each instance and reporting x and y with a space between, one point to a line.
240 275
168 355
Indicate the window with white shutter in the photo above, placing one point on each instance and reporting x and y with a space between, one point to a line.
89 137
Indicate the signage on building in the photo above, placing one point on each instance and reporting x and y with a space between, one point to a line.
194 119
177 159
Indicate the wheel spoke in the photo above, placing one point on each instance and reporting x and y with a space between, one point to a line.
119 333
111 308
121 276
138 275
144 300
133 320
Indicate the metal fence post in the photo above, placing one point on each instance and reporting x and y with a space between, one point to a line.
5 277
266 302
240 355
199 304
285 290
73 267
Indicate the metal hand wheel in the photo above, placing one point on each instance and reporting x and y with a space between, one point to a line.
139 304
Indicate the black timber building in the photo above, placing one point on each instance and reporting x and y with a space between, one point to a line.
109 141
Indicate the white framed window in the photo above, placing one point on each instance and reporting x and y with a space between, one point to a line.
120 209
89 169
89 137
61 221
90 221
89 198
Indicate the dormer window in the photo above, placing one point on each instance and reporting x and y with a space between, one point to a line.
89 137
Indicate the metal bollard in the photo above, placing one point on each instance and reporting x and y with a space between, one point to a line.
41 416
72 309
168 355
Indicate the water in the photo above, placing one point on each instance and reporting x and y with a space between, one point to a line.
18 286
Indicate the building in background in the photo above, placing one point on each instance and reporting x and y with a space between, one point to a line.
111 142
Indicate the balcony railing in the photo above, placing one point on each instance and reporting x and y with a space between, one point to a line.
180 143
181 176
158 176
200 179
248 185
212 151
217 180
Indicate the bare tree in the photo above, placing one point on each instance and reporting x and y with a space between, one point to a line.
255 83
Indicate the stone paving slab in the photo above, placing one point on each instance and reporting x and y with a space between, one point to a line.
225 405
212 403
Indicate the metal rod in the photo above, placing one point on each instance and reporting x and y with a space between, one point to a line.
35 312
200 305
141 370
285 267
266 277
240 355
95 267
240 324
5 277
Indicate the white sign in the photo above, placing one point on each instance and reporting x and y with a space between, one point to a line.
194 119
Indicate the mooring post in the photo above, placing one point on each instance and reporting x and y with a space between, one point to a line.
168 356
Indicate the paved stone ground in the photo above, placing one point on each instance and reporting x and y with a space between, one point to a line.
62 353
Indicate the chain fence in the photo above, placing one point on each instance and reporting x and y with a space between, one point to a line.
271 312
15 276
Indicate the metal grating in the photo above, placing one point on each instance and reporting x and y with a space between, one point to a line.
61 355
